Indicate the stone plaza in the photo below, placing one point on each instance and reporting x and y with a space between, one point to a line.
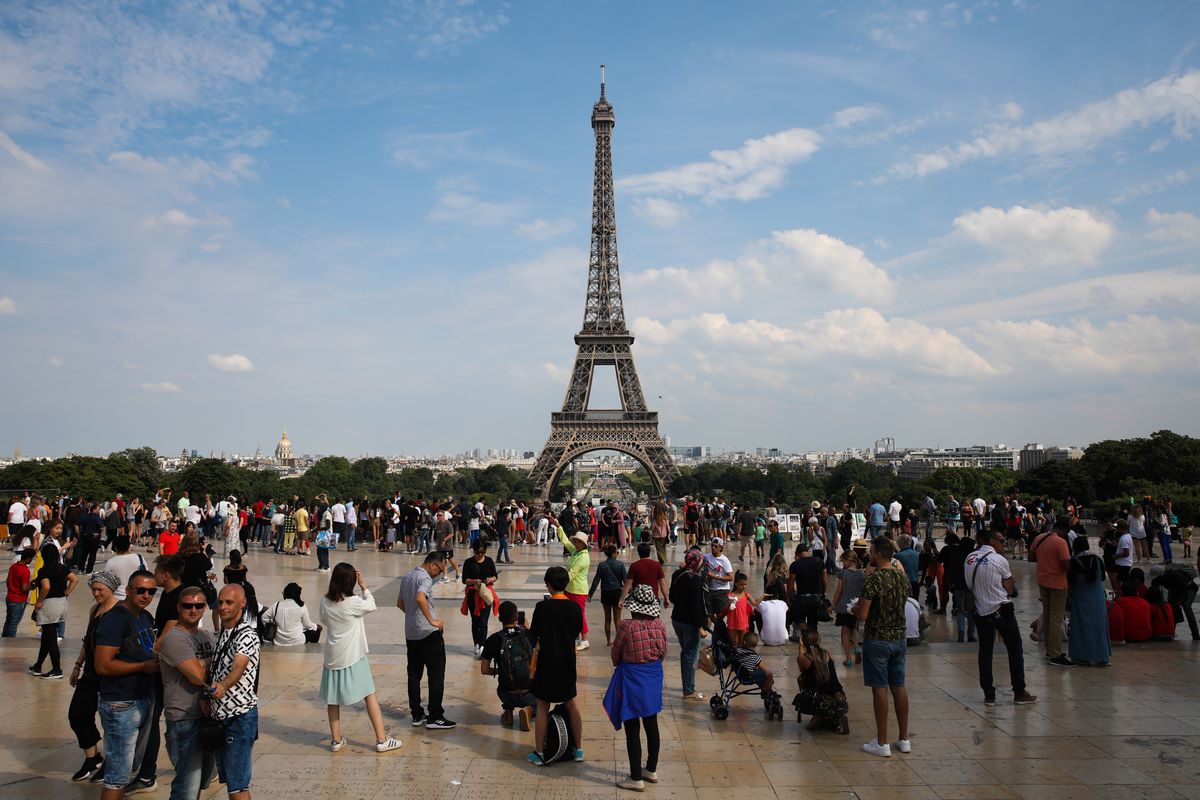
1128 731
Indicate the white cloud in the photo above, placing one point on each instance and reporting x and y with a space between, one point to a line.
444 26
8 305
557 373
457 202
1173 99
1032 236
1137 344
1179 225
856 115
748 173
176 219
54 361
427 150
230 363
659 212
861 334
237 167
540 230
809 256
20 154
165 386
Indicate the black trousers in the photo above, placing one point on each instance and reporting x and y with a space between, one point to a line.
428 653
1003 621
633 744
82 713
479 623
85 553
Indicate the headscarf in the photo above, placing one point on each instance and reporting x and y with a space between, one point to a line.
692 560
106 578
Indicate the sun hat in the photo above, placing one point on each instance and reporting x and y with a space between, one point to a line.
641 600
581 536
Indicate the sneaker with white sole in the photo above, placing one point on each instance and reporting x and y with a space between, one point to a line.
649 777
904 745
139 785
390 743
440 724
418 720
338 745
583 645
876 749
631 785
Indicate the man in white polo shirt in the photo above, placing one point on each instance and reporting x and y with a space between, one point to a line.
991 583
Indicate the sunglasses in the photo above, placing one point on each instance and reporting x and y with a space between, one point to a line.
143 590
193 606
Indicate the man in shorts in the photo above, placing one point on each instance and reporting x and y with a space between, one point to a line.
443 534
885 645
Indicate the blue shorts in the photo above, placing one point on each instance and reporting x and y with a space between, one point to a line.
883 663
233 760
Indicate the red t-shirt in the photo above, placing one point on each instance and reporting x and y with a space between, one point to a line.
647 571
18 577
170 542
1137 619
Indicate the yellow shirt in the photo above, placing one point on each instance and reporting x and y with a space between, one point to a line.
301 520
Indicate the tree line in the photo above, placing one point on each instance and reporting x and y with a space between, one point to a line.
1109 474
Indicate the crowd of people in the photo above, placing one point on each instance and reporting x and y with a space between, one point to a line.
149 675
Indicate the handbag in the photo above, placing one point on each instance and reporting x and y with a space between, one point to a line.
707 661
313 637
271 628
805 701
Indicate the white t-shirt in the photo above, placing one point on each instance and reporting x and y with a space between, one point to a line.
1125 542
719 565
339 512
912 618
123 566
1137 527
980 506
224 509
894 511
987 586
193 514
34 523
16 513
774 619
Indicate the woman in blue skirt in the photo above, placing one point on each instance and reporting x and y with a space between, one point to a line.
634 695
1088 639
346 678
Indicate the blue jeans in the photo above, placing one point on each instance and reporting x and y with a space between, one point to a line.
12 619
233 760
350 536
929 528
193 767
502 550
962 619
883 663
423 540
126 726
1164 540
874 531
689 649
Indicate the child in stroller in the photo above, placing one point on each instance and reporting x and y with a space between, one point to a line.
739 671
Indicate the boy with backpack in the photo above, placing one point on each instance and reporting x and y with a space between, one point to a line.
508 654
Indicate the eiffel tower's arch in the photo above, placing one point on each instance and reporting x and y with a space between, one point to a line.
633 452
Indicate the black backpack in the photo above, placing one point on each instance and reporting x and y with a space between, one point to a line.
516 653
558 744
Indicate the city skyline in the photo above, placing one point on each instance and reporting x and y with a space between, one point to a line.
954 222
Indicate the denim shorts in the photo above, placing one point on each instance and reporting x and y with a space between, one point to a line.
883 663
126 725
233 760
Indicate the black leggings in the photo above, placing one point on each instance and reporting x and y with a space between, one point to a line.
633 743
82 713
49 647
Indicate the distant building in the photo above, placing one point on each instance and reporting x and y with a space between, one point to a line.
1033 455
700 452
885 445
284 456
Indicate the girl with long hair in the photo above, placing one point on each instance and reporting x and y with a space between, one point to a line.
821 693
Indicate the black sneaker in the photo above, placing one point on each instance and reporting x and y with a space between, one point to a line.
34 670
90 767
1061 661
99 776
989 699
139 785
52 675
418 720
441 724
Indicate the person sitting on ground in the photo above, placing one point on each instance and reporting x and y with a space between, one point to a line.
748 664
915 623
821 692
1135 611
294 626
508 654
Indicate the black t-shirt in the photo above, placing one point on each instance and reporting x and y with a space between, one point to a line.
553 630
58 580
748 522
807 572
168 608
195 569
472 570
491 652
811 681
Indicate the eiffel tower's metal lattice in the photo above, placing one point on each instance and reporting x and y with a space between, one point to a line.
604 340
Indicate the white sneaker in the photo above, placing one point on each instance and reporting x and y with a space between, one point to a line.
904 745
390 743
584 645
338 745
876 749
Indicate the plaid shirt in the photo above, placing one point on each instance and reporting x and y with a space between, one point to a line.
639 641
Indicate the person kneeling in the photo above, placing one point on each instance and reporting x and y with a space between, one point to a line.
821 693
508 655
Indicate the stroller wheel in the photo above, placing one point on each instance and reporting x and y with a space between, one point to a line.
720 712
715 702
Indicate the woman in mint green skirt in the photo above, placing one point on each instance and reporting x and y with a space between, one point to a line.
346 678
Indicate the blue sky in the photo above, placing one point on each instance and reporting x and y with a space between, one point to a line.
368 222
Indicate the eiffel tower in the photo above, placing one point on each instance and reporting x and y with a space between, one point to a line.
604 341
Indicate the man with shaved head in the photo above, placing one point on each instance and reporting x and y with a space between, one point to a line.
234 690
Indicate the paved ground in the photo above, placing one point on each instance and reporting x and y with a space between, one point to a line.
1130 731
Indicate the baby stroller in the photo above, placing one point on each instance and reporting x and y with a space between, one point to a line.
731 683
